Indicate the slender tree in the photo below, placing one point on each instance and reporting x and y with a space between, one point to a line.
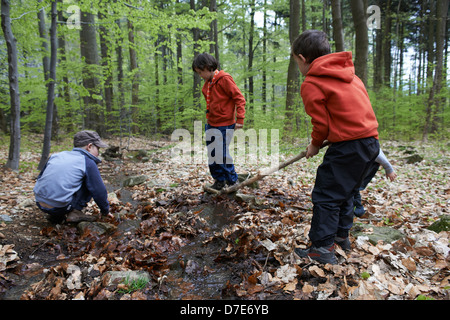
362 40
89 52
338 33
434 100
293 85
50 90
13 74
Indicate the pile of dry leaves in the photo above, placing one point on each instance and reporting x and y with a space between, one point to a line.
182 238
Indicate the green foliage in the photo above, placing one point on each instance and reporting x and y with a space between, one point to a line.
162 31
365 275
423 297
133 284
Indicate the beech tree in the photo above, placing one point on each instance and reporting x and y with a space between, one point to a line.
13 75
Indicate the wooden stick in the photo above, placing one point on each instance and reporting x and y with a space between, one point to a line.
261 175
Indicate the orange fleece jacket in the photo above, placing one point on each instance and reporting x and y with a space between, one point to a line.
337 101
227 104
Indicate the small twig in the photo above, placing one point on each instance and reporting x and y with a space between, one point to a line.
38 248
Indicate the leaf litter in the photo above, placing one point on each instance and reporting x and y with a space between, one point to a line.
194 245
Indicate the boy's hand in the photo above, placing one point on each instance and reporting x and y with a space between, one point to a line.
238 126
391 175
311 151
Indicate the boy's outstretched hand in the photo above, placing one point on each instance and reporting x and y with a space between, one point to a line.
391 175
311 151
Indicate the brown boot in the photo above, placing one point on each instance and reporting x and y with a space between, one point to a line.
76 216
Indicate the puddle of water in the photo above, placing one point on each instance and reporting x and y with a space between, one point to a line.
193 272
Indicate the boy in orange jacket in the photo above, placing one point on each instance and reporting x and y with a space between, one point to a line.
225 112
341 112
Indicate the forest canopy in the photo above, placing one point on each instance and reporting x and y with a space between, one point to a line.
124 67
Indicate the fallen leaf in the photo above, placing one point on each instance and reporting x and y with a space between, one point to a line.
316 272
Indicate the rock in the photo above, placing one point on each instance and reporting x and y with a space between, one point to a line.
386 234
116 277
5 218
134 180
95 227
27 203
244 176
413 159
443 224
112 153
128 226
138 154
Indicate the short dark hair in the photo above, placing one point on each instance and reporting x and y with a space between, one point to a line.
311 44
205 61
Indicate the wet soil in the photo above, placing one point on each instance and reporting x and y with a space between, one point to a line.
192 273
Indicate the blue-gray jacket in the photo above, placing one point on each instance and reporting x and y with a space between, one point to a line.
65 173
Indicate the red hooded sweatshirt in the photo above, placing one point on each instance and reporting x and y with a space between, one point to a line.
337 101
227 104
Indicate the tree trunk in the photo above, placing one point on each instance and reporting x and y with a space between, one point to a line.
65 80
387 58
44 44
293 85
105 46
120 89
250 63
135 79
214 46
197 79
89 52
434 100
50 90
378 56
362 40
264 57
338 33
13 74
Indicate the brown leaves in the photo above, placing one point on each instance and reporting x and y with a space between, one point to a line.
183 236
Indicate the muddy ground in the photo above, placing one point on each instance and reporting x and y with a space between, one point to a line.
194 245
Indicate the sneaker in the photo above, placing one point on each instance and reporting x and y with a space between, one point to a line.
322 254
230 184
358 207
344 243
359 211
76 216
56 218
218 185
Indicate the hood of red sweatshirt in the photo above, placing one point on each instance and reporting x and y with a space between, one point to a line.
337 65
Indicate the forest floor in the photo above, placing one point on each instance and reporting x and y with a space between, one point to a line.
194 245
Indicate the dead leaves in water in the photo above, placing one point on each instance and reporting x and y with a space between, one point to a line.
257 238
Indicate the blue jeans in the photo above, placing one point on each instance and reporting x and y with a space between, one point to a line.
220 161
79 202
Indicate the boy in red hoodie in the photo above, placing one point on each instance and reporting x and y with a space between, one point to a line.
225 112
341 112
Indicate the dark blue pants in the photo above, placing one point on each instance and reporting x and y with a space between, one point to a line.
357 196
341 173
79 202
219 159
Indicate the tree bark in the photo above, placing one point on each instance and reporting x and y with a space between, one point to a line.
293 86
105 46
89 52
135 78
50 90
434 100
338 33
362 40
13 74
197 79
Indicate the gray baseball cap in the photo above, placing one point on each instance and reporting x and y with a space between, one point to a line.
83 138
